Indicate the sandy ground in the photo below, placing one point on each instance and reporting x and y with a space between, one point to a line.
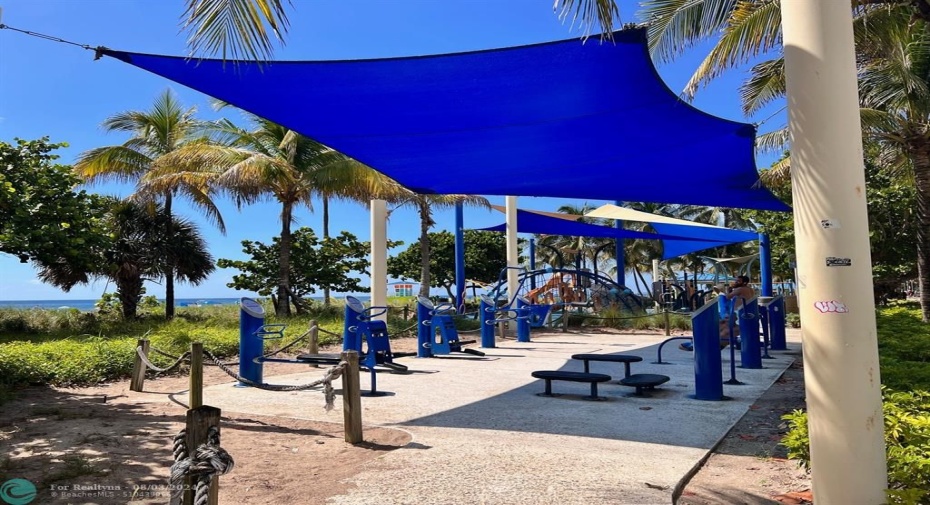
106 444
749 466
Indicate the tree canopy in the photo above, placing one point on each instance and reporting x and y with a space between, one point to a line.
332 263
485 257
43 218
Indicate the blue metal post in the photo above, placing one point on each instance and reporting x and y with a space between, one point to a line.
523 319
725 311
708 371
351 336
765 263
459 258
486 310
777 324
251 345
750 351
424 327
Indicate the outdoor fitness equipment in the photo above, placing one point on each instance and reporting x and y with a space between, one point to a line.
490 314
252 335
436 332
362 329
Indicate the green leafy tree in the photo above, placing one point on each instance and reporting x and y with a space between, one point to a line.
485 257
42 217
332 263
139 251
425 205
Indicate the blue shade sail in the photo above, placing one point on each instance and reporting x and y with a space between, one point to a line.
674 245
565 119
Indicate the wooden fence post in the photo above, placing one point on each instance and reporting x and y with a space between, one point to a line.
199 421
138 367
352 398
314 337
195 395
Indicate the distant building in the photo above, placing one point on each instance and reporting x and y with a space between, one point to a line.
402 288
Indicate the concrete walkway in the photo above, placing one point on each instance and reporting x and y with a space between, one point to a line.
481 435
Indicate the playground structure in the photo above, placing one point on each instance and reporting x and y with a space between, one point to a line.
550 294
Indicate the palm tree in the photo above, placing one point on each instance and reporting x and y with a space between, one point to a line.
243 29
425 205
140 251
892 45
156 133
271 161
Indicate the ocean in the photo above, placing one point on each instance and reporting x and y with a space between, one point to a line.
88 305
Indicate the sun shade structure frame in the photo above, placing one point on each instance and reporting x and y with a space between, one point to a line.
674 245
568 119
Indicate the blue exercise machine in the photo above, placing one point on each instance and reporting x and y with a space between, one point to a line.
359 330
490 314
362 330
436 332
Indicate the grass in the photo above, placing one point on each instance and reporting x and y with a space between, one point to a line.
68 347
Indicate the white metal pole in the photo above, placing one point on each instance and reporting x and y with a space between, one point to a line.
379 255
834 264
655 278
513 257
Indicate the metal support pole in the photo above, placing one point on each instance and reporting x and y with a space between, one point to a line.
532 263
459 258
513 257
830 221
765 264
620 253
379 255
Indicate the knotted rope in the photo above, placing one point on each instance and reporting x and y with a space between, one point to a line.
327 381
149 364
208 460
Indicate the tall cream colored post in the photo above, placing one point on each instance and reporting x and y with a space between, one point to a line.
830 221
513 256
379 255
655 278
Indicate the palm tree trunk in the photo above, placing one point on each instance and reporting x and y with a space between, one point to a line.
325 201
283 305
646 284
169 268
920 157
424 249
129 292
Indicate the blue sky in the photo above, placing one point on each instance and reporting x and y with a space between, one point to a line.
58 90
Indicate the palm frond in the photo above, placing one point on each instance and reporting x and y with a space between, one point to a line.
112 163
766 84
676 25
778 174
773 142
235 29
754 28
588 13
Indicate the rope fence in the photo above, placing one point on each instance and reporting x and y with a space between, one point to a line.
197 471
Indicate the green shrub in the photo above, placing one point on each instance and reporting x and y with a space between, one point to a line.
68 347
793 320
907 441
904 353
